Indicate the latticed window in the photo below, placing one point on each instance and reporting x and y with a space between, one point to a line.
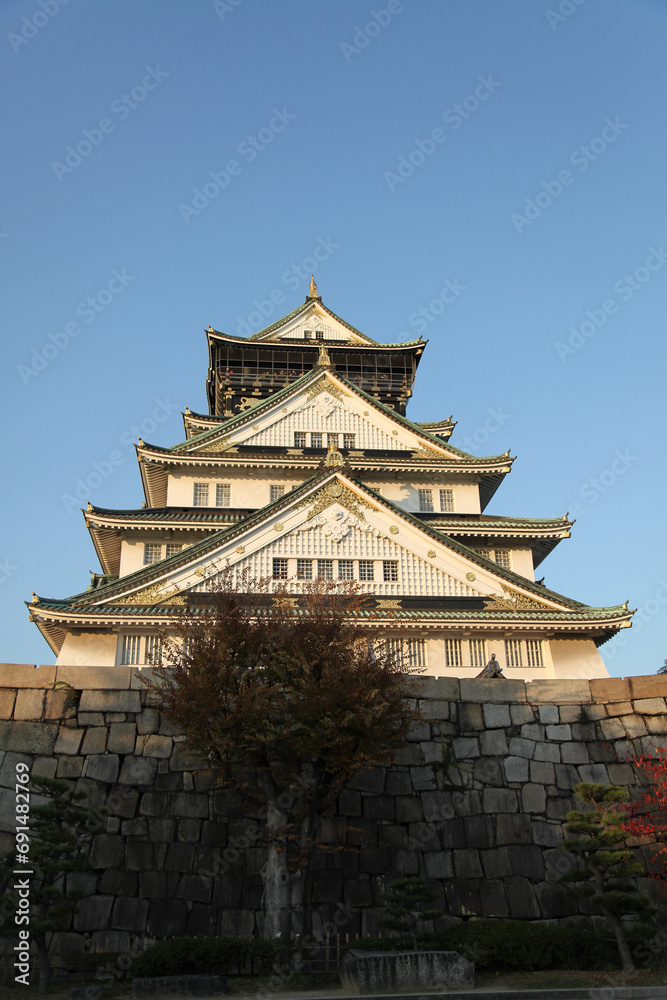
446 501
130 649
477 653
173 548
299 439
366 570
534 653
390 570
153 649
346 569
325 569
426 500
304 569
348 440
513 653
406 652
319 335
452 652
315 440
152 553
200 495
484 552
503 558
275 492
223 494
332 439
280 569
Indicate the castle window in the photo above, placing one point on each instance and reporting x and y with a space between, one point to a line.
200 495
332 439
173 548
319 335
152 553
130 649
366 570
513 653
346 569
280 569
223 494
453 652
534 653
503 558
325 569
348 440
426 501
406 652
307 334
484 552
304 569
390 570
446 501
153 650
477 653
299 439
315 440
275 492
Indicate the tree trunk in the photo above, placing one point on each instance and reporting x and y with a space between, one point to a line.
621 939
277 878
43 961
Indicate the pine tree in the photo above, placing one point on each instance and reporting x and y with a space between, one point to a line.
406 904
604 868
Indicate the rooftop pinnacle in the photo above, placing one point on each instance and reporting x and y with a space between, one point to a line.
312 289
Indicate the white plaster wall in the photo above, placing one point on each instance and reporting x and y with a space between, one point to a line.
522 562
246 490
88 649
406 495
577 658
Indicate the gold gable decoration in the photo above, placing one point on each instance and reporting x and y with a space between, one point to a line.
323 385
153 595
510 600
216 447
334 493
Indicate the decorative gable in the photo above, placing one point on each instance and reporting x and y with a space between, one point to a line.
310 322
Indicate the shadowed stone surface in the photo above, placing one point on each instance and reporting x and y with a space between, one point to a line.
391 972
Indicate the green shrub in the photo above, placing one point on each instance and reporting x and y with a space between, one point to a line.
183 956
512 945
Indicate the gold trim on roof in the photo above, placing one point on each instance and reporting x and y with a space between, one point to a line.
510 600
153 595
334 493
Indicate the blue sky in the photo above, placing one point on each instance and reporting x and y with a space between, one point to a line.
515 150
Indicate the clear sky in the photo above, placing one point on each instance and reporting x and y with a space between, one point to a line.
514 149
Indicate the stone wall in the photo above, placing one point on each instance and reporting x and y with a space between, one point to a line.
176 858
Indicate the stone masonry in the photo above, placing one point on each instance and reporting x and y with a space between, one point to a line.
474 803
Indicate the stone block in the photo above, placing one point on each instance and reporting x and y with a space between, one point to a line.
418 732
29 704
110 701
548 714
488 771
92 913
560 733
349 801
102 767
635 726
547 834
370 779
521 897
465 747
619 708
463 898
467 864
28 737
656 724
106 851
129 914
497 716
68 741
69 767
198 888
533 731
408 756
437 807
139 855
520 747
493 743
434 710
375 860
620 774
513 828
138 771
609 689
438 688
26 675
171 781
603 752
595 773
179 857
547 752
122 736
558 808
86 719
423 778
118 882
439 864
95 740
651 686
527 861
168 917
7 699
396 972
60 704
489 691
94 678
154 746
470 717
542 772
148 721
612 729
557 692
162 830
139 677
395 835
567 776
467 803
398 783
575 753
522 714
478 831
404 862
496 863
516 768
499 800
583 731
379 807
44 767
122 801
193 805
493 900
154 884
431 752
643 706
362 832
167 728
421 837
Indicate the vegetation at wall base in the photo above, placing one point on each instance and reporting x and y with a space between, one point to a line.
203 956
514 945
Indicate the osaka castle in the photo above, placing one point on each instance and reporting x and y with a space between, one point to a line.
307 466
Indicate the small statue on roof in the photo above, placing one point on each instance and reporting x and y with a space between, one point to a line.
492 670
312 288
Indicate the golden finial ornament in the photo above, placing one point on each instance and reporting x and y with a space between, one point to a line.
323 359
334 457
312 288
210 329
